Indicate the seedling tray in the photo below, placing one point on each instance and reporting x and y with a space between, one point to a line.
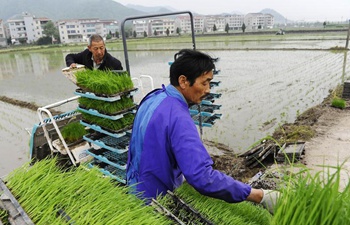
16 213
212 96
180 211
207 121
109 132
111 158
292 151
110 171
207 108
107 98
117 145
116 116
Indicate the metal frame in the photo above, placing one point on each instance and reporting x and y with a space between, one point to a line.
43 122
149 16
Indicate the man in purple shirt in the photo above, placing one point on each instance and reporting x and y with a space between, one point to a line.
165 146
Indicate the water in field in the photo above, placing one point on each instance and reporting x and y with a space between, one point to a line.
260 88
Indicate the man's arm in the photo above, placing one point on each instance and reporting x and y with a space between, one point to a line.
76 58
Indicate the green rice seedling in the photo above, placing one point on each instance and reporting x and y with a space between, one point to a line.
4 217
73 132
221 212
314 199
338 103
50 195
104 82
114 125
107 107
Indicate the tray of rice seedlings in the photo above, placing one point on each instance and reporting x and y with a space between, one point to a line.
94 112
73 133
50 195
178 210
117 145
112 126
220 212
109 98
70 72
109 157
121 106
104 83
110 171
310 198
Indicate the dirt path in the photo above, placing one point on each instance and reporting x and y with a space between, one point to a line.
331 145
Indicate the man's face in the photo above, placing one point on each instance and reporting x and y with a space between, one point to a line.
199 90
98 50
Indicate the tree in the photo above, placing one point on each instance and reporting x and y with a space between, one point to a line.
134 34
214 28
49 30
144 34
167 32
227 28
178 31
243 27
155 33
324 24
117 34
109 36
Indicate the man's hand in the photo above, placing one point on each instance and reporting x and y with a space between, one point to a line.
73 65
269 199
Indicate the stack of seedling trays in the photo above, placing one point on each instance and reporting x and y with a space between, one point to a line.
204 114
290 152
108 110
346 90
256 155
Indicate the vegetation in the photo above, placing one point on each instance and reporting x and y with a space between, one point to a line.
50 195
104 82
218 211
107 107
338 103
73 132
114 125
314 199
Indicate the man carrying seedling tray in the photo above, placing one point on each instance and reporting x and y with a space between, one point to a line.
94 57
165 147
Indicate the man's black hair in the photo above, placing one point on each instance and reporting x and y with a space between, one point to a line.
190 63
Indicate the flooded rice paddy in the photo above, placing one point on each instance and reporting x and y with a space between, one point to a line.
260 88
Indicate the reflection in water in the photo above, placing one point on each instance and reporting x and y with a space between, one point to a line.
344 66
256 86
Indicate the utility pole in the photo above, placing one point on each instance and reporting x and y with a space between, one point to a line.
347 39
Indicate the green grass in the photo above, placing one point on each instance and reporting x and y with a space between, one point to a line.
219 211
84 195
314 199
104 82
338 103
73 132
114 125
107 107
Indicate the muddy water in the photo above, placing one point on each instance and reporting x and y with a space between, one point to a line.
260 90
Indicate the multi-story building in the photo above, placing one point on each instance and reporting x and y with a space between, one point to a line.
3 39
218 21
79 30
256 21
234 21
26 28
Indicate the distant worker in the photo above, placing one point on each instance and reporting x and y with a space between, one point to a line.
94 57
165 147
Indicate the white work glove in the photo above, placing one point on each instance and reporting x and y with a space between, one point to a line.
269 199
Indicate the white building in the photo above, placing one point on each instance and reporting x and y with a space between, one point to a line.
235 22
79 30
256 21
3 39
26 28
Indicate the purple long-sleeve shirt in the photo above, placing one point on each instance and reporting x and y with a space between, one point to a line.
165 147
